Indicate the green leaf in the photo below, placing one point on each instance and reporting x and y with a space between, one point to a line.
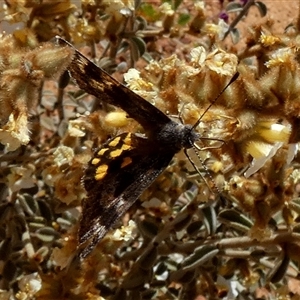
46 234
295 205
9 270
147 57
235 35
183 276
148 258
5 249
233 7
235 219
149 294
142 23
161 268
140 44
200 256
296 228
261 7
194 228
42 252
64 80
149 11
136 278
183 19
148 229
176 4
28 204
210 219
279 270
35 226
45 210
182 222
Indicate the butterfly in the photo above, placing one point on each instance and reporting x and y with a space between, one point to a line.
126 165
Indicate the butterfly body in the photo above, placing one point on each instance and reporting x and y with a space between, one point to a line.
126 165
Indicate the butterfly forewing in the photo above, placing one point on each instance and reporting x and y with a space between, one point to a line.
97 82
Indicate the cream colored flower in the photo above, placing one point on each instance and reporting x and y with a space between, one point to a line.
280 56
262 153
219 61
62 257
222 62
218 30
6 295
139 85
29 285
116 119
169 63
154 67
125 232
117 8
198 56
86 2
133 79
21 177
199 5
68 189
296 176
63 155
273 132
166 9
15 132
268 39
75 128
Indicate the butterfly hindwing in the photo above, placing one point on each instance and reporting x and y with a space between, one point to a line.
117 175
100 84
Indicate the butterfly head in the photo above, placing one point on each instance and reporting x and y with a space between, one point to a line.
177 136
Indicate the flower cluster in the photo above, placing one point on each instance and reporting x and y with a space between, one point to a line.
225 226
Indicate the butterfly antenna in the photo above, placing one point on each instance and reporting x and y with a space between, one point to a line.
196 149
234 78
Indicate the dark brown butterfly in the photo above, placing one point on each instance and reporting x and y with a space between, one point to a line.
127 164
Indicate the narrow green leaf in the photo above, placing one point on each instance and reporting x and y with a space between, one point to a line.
136 278
194 228
149 11
161 268
183 19
64 80
140 44
235 219
9 270
182 222
295 205
210 219
261 7
235 35
149 294
46 234
200 256
28 204
5 249
148 229
148 259
280 269
176 4
233 7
